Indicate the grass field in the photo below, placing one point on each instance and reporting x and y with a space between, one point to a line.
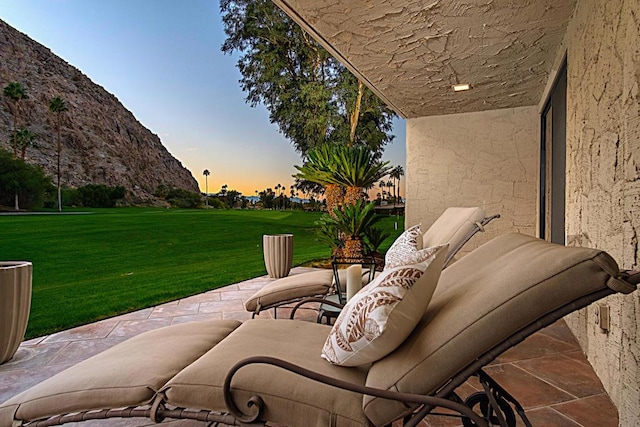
90 266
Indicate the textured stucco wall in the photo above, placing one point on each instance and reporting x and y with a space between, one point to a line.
603 179
486 159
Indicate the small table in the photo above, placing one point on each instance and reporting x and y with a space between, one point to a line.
329 312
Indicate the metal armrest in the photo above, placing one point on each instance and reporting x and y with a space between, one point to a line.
478 227
631 276
313 299
256 404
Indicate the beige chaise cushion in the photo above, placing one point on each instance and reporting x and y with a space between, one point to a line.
128 374
289 399
452 227
291 288
485 297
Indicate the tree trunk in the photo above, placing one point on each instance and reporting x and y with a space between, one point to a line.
355 114
353 248
59 149
17 207
353 194
333 194
14 137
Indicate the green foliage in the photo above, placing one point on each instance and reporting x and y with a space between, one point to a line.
320 166
348 166
58 105
162 190
183 198
16 93
374 237
22 139
231 197
92 196
308 93
356 167
355 219
28 181
99 196
328 233
216 203
267 198
178 197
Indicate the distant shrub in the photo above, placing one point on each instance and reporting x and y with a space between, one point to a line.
182 198
93 196
179 197
216 203
162 191
28 181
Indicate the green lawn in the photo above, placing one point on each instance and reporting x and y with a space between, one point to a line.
111 261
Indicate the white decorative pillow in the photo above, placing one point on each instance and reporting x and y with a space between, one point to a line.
405 245
382 315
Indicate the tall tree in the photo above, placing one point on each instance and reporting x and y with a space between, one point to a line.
382 185
309 95
16 93
396 173
206 174
58 106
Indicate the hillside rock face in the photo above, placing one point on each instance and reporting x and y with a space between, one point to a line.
102 142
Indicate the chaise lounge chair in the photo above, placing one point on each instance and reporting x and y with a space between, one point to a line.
271 370
456 226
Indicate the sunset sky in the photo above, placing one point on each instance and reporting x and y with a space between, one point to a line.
162 60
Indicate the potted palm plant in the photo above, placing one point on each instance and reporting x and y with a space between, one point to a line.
15 304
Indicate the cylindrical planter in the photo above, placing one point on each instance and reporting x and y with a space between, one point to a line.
15 304
278 254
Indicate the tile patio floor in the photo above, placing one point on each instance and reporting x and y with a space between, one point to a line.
547 373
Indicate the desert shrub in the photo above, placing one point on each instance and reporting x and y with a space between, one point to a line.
28 181
182 198
93 196
216 203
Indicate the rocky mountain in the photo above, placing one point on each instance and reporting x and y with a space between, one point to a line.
102 142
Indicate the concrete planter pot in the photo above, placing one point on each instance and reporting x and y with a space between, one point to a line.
15 304
278 254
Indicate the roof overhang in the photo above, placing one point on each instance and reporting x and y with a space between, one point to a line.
411 53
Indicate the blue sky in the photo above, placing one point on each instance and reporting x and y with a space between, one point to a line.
162 60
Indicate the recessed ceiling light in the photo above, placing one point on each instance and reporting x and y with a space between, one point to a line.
460 87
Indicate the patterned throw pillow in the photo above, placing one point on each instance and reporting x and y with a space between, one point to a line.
402 250
382 315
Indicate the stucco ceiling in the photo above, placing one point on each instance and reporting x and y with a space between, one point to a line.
411 52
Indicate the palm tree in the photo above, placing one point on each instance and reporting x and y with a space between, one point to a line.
23 138
58 106
15 92
389 186
281 200
382 185
206 174
357 170
320 169
292 192
396 173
